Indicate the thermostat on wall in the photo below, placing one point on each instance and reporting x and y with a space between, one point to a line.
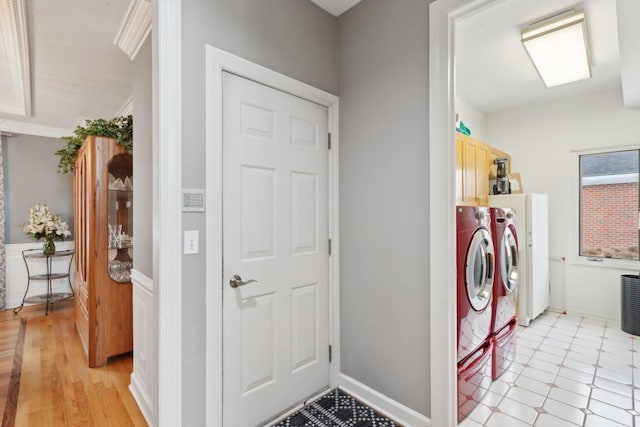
192 200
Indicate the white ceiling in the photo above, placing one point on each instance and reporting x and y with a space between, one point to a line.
336 7
76 70
493 72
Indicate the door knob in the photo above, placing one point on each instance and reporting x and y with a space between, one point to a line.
236 281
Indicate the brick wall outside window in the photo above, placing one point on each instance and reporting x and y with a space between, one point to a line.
610 220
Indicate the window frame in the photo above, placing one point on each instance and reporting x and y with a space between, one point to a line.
589 261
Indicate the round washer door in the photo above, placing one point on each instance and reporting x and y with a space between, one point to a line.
509 260
479 270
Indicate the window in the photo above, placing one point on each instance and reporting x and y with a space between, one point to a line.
609 205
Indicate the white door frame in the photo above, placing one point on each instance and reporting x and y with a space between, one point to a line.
218 61
167 209
442 17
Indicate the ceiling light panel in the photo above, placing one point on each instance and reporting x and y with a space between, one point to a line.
558 49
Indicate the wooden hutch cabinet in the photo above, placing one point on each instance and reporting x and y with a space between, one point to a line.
103 207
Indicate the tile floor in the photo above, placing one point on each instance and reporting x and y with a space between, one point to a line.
568 371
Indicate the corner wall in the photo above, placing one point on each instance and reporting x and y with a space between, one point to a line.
384 198
472 118
142 161
293 37
544 142
31 176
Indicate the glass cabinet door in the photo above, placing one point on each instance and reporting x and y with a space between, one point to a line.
120 202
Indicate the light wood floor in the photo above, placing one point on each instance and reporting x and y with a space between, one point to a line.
11 334
53 386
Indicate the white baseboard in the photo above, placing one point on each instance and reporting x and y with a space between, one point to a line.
141 398
584 314
16 275
383 404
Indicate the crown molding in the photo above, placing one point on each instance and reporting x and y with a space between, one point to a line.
14 53
14 126
135 28
126 109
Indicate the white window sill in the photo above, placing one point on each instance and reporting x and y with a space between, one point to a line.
616 264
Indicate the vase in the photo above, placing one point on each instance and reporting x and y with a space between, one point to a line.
49 247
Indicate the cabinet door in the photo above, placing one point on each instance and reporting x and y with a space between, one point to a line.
482 174
81 238
459 169
469 175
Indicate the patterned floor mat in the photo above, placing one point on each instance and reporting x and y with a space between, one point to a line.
336 409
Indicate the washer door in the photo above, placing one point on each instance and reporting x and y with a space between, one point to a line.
509 260
479 270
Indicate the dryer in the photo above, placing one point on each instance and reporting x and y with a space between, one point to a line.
475 278
504 321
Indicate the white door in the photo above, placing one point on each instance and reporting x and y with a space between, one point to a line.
275 237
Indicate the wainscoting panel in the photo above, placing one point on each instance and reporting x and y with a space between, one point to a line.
17 273
144 360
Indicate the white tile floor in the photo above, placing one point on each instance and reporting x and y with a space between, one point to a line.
568 371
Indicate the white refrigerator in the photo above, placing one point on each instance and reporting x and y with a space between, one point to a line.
532 226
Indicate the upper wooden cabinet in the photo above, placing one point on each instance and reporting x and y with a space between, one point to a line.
474 166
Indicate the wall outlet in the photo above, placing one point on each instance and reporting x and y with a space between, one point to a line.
190 242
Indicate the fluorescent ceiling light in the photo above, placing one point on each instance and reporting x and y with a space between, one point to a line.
558 48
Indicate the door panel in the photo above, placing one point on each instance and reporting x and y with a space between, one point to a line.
304 205
304 336
258 212
258 341
275 232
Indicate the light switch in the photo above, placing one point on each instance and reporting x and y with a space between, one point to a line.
191 242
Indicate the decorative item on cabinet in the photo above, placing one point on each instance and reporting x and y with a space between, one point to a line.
516 183
120 128
103 242
502 184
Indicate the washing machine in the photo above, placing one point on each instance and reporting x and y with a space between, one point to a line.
504 321
475 278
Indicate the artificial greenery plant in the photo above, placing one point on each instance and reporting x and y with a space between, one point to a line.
119 128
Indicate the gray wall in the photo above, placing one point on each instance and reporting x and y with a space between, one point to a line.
142 162
293 37
31 176
384 198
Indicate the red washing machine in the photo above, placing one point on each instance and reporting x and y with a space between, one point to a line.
475 278
505 289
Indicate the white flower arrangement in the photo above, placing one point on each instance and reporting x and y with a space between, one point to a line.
42 224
